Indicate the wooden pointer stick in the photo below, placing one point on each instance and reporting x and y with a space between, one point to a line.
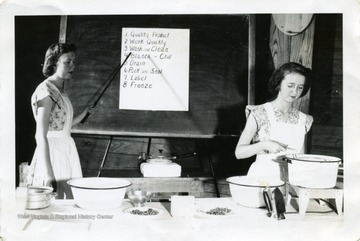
107 85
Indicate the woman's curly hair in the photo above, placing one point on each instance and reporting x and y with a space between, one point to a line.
53 54
280 73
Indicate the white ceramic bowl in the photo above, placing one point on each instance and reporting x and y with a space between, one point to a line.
99 193
248 191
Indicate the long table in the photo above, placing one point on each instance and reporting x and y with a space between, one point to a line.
63 220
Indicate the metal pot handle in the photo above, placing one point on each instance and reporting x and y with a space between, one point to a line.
288 160
267 201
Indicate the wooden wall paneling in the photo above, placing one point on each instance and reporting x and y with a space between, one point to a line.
252 59
62 32
329 151
337 78
301 50
279 45
332 135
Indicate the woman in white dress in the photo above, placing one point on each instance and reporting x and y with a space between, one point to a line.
56 159
276 128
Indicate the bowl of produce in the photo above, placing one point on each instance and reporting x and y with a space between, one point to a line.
99 193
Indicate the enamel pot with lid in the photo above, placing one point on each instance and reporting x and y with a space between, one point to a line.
312 171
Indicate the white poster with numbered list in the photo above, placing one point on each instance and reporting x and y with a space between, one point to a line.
156 74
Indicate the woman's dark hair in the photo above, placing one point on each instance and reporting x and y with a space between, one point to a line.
280 73
53 54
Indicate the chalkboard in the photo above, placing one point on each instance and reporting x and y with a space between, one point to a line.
218 75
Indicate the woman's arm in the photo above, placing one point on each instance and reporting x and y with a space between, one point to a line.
244 149
42 127
77 119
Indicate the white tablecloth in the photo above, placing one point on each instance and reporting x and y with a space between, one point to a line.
73 223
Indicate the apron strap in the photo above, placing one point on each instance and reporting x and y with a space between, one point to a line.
69 113
302 118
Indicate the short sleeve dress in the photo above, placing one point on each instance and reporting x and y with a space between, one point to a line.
63 153
271 127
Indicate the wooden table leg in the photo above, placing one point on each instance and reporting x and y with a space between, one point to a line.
105 156
212 169
339 201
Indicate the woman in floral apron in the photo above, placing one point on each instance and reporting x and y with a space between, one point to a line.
276 128
56 159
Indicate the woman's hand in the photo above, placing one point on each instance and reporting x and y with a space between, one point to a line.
274 146
51 182
48 177
88 110
45 178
